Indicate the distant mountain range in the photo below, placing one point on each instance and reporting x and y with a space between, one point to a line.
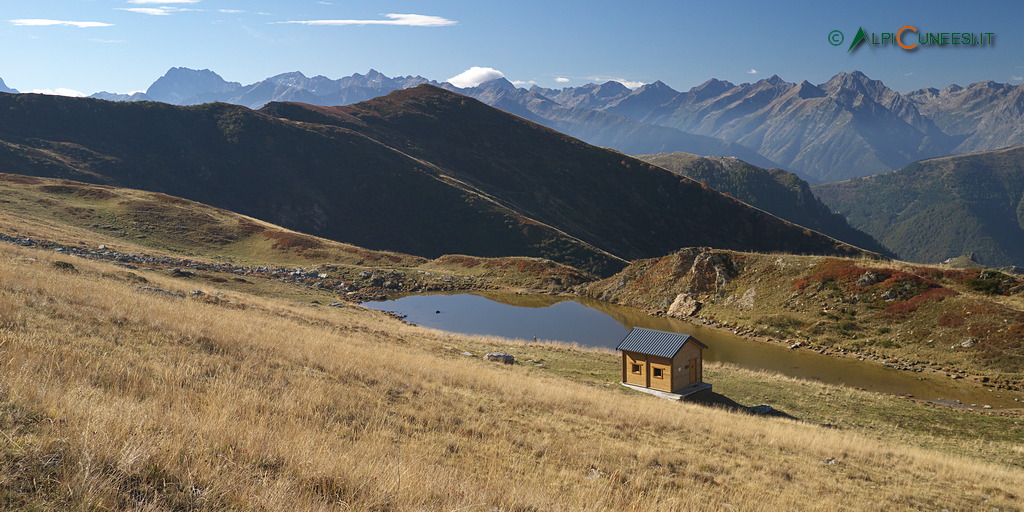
422 171
4 88
941 208
183 86
846 127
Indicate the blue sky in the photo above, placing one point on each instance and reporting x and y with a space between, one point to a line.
124 45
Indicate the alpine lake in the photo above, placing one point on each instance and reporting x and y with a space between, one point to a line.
593 323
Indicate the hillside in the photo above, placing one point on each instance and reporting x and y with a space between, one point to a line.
937 209
328 182
775 191
612 201
148 229
118 397
423 171
918 318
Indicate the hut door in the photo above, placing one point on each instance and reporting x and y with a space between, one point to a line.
693 370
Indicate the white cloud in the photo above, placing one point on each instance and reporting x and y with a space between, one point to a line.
475 76
517 83
230 11
1016 78
632 84
325 3
163 2
60 91
156 11
49 23
152 11
561 79
752 71
407 20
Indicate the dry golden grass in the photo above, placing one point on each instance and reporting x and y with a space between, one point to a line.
117 399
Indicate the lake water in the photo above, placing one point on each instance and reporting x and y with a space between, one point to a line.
599 324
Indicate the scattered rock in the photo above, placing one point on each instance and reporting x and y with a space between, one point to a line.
196 293
500 356
65 266
182 273
761 410
469 354
968 343
746 302
160 291
337 304
685 305
869 278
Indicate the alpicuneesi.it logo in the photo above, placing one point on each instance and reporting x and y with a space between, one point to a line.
910 38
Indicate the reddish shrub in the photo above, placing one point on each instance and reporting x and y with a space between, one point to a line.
831 269
910 305
951 319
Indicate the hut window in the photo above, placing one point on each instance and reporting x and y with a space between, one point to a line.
636 368
658 373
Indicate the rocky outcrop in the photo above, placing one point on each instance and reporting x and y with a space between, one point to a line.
685 279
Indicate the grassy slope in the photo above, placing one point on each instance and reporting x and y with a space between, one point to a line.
612 201
325 181
941 208
133 221
115 398
818 302
775 191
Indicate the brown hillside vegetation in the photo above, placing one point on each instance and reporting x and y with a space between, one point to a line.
112 398
135 221
928 317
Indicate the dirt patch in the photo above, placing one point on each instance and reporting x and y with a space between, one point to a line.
20 179
285 240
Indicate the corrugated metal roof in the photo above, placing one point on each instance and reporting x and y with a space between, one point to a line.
655 343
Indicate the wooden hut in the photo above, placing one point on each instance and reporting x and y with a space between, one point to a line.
662 361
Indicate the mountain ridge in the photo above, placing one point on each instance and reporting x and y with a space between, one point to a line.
775 191
847 126
941 208
422 171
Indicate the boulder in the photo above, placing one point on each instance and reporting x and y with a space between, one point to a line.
501 357
685 305
869 278
968 343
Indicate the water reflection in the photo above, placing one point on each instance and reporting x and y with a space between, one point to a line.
599 324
